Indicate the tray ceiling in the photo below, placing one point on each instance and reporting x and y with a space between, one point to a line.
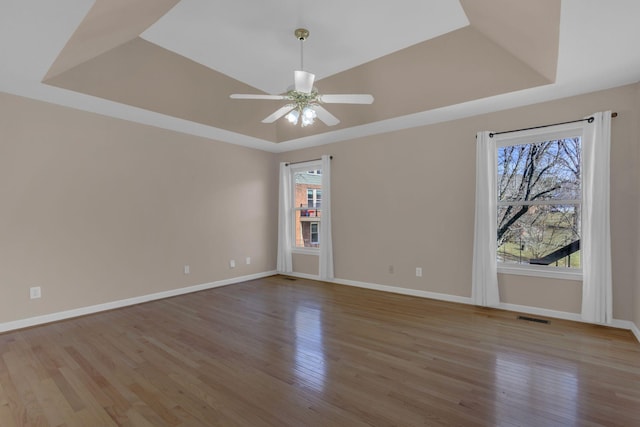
173 63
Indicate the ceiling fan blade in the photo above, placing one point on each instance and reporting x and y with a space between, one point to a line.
279 113
325 116
346 99
303 81
256 96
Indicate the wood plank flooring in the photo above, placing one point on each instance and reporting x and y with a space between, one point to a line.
275 352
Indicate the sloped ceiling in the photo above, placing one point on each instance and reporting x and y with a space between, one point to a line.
472 62
173 63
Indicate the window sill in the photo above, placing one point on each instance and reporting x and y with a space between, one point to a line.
306 251
547 272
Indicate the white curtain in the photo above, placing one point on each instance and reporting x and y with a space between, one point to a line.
326 243
285 262
484 289
597 306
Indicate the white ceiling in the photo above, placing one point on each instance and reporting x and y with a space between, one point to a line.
598 49
238 39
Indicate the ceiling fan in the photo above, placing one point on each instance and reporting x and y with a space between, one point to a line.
304 99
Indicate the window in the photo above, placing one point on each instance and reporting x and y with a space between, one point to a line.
314 197
315 232
539 202
307 214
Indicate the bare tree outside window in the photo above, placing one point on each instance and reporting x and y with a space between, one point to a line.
539 194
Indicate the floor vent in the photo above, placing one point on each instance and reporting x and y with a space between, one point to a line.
533 319
293 279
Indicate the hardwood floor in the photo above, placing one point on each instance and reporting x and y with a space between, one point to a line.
275 352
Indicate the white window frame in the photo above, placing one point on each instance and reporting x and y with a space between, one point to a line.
315 167
530 137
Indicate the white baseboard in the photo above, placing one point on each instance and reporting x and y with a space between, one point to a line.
620 324
635 330
537 311
615 323
54 317
404 291
301 275
386 288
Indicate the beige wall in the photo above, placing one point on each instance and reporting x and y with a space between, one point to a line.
94 209
406 199
305 264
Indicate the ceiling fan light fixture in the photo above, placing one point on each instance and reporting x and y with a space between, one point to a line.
308 116
292 117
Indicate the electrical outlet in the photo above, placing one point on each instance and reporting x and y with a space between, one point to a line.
35 292
232 263
187 269
248 260
418 271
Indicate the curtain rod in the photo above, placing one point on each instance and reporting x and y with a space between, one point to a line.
306 161
588 119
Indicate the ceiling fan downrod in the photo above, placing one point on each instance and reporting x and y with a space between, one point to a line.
301 34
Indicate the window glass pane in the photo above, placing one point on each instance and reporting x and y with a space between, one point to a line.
541 171
540 235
